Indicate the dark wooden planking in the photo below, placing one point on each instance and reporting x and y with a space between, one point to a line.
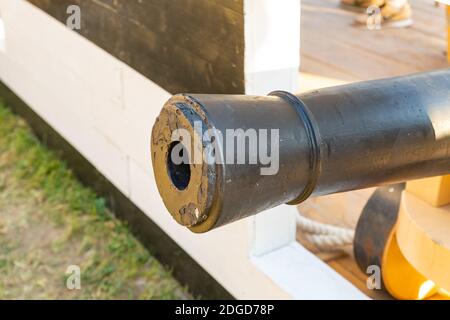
182 45
236 5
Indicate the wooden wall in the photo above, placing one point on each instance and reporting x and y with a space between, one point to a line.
192 46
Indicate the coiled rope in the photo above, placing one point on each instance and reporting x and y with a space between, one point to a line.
324 236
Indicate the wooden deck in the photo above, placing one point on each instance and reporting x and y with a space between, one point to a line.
333 47
335 51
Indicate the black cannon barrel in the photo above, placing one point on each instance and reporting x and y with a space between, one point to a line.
324 141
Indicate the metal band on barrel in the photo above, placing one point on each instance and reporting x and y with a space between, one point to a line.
314 156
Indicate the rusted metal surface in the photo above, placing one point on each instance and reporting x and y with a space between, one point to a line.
330 140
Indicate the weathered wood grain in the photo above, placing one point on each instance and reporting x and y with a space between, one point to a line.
182 45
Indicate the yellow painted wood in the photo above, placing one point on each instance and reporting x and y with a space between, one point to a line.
423 236
400 278
435 191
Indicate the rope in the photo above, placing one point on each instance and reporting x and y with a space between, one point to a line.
324 236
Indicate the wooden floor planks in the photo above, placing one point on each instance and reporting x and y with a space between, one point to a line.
330 37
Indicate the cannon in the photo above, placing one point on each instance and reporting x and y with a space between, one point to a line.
221 158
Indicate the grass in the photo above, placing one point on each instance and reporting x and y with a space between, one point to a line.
49 221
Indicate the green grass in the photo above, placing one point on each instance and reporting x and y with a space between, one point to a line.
48 221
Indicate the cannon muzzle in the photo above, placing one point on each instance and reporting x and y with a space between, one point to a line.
221 158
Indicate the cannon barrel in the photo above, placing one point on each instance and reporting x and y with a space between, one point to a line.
243 154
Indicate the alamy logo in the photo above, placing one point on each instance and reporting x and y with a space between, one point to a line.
239 146
374 281
374 18
73 281
73 21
